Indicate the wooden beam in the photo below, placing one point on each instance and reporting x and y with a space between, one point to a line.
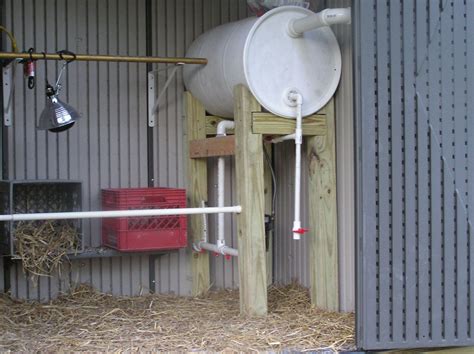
196 192
250 194
211 125
267 123
323 258
220 146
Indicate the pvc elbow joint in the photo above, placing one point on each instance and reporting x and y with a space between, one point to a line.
327 17
222 127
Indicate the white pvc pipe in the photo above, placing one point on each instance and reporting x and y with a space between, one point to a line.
120 213
296 99
223 126
298 141
220 199
221 131
204 223
327 17
224 250
283 138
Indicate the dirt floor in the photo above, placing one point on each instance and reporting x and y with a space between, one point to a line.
89 321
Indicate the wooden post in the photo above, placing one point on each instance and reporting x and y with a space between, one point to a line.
323 254
250 193
196 192
268 188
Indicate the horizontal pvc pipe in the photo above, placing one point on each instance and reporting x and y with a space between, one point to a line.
326 17
119 213
222 250
284 138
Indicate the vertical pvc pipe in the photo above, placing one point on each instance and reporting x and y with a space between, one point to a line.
220 200
297 230
221 131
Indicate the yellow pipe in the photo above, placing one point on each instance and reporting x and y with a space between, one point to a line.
107 58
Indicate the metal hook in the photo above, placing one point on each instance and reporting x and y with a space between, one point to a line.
66 62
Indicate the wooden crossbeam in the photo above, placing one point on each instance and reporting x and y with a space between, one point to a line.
267 123
219 146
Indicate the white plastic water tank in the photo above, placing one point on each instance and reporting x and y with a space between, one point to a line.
259 53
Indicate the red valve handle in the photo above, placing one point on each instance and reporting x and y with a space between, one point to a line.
227 256
301 231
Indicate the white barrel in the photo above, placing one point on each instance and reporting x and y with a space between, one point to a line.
260 54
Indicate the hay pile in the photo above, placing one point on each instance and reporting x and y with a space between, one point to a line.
43 245
89 321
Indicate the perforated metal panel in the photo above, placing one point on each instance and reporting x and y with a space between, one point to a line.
415 172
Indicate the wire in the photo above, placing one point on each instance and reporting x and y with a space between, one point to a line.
12 38
269 162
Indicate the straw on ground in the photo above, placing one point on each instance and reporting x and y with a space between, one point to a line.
86 320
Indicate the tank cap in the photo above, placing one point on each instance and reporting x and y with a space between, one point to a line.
287 96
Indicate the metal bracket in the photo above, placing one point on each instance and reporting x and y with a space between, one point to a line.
7 95
151 98
153 104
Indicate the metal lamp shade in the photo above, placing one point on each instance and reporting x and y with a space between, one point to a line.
57 116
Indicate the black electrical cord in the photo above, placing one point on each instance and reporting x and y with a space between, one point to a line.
269 162
67 52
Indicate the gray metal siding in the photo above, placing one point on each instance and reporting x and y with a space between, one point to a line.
415 83
345 165
291 258
108 148
176 25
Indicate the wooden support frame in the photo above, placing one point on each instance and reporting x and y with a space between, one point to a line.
270 124
219 146
267 123
323 248
254 190
196 192
250 222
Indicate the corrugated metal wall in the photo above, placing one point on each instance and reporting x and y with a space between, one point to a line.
176 25
416 172
291 256
108 148
345 166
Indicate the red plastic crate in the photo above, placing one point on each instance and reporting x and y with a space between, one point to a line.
144 233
